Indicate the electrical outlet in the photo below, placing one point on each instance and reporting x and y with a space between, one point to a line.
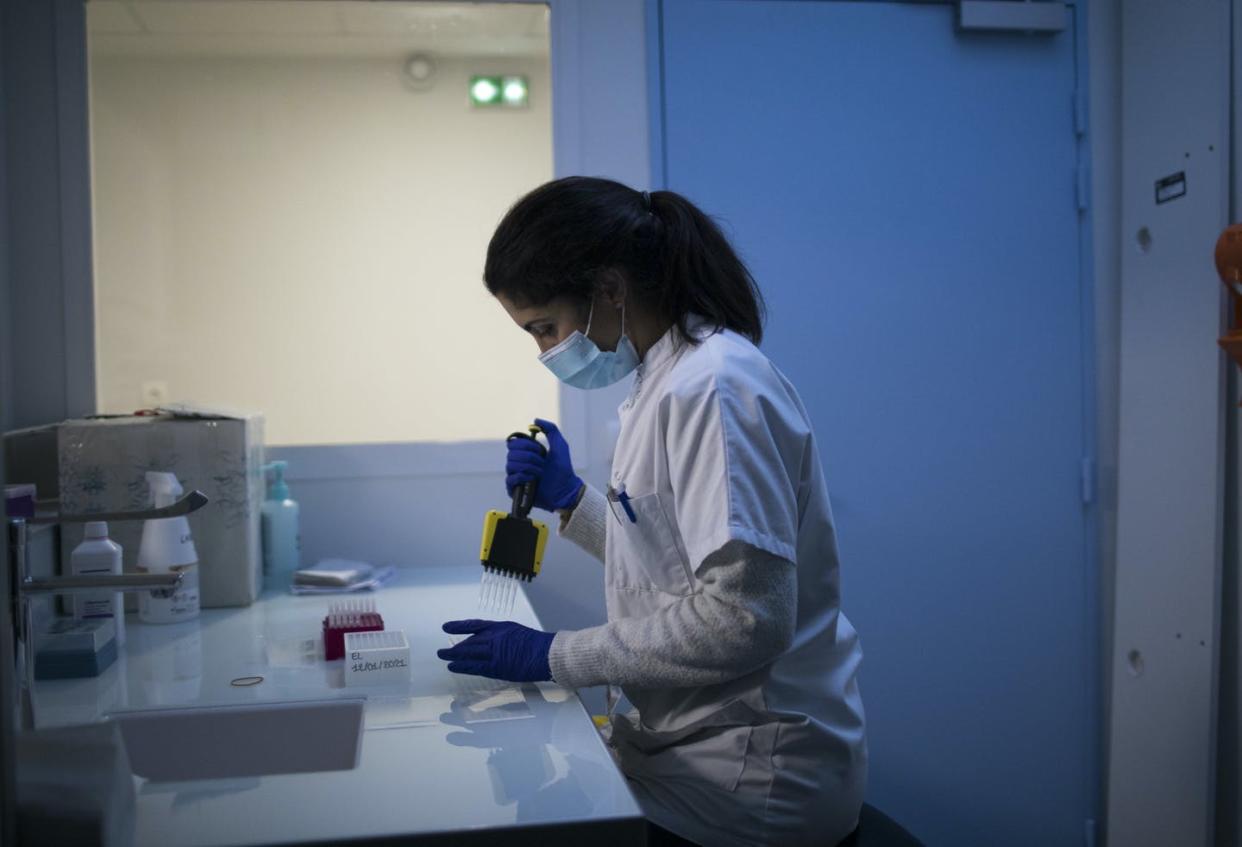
154 393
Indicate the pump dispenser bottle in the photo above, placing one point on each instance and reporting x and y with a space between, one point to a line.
98 554
168 547
281 539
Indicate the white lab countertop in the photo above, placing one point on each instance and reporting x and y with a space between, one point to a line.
454 759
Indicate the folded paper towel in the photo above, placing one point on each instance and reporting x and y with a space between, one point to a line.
331 576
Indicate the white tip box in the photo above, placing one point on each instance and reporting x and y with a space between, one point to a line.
377 658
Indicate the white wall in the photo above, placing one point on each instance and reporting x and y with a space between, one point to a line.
304 236
1164 656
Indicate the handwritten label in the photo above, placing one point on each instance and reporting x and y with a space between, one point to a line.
364 665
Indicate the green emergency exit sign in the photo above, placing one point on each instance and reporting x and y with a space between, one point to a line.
510 91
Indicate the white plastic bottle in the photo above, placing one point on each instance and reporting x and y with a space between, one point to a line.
98 554
282 542
168 547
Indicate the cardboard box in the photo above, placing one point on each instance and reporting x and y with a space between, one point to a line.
100 464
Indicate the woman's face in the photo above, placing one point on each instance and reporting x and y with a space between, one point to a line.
553 322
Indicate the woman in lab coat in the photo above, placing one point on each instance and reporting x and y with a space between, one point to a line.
725 628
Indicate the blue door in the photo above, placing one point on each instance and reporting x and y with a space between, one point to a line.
905 196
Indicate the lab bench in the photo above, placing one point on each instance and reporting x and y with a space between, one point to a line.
446 759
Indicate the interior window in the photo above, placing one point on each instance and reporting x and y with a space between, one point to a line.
292 204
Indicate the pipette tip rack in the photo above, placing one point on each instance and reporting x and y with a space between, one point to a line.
348 616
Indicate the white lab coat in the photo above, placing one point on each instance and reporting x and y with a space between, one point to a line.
715 446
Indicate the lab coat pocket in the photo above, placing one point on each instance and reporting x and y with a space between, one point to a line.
716 755
712 749
651 555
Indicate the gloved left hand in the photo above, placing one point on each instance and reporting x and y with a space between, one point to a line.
500 650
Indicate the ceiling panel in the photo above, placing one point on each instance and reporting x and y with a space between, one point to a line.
224 17
317 28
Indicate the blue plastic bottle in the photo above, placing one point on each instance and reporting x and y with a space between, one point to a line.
282 543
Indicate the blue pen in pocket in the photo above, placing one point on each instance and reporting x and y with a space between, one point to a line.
619 496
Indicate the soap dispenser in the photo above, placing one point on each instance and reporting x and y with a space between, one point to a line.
168 547
282 542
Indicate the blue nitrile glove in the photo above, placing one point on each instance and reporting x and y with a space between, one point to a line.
558 484
500 650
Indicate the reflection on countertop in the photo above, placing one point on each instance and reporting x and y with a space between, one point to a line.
442 753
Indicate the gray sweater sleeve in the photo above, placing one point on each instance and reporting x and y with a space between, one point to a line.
585 525
741 618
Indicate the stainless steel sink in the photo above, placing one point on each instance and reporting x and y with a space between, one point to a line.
168 745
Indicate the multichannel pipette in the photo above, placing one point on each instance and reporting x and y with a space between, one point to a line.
512 547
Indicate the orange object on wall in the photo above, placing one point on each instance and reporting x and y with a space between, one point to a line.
1229 266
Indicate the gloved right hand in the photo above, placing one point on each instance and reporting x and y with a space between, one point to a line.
500 650
558 484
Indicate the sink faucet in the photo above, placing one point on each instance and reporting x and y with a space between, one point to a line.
23 585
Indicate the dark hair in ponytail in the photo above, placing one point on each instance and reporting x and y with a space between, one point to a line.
558 239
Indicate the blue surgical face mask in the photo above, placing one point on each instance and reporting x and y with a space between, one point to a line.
579 362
